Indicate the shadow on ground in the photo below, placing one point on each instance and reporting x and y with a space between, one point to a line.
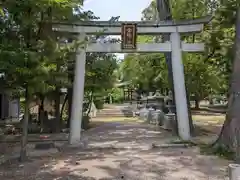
120 151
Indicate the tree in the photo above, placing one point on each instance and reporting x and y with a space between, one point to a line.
146 71
99 75
28 57
229 136
201 78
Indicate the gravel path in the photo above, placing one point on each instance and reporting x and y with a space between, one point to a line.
120 151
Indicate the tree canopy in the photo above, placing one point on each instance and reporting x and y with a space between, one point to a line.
36 61
205 73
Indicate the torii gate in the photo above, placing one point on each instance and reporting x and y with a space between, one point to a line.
129 31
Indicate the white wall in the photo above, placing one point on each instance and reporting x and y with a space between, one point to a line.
14 108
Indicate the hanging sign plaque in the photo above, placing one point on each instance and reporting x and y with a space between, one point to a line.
129 36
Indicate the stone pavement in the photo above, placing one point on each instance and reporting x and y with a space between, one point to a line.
120 151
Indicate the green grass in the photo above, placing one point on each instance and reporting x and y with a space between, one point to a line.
219 119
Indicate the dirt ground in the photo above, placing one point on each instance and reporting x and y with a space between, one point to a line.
118 150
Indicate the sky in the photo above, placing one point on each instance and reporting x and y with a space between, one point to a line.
128 10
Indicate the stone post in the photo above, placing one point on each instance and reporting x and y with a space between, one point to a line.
78 95
179 87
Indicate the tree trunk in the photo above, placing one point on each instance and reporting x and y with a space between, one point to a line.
24 139
70 93
210 101
41 111
70 89
230 133
197 103
23 152
57 105
63 106
57 111
189 113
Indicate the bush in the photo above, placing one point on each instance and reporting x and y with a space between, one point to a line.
117 94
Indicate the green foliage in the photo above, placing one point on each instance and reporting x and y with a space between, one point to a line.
99 71
30 54
145 71
201 78
33 56
206 73
117 95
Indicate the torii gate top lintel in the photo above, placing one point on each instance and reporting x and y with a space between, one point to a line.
144 27
201 20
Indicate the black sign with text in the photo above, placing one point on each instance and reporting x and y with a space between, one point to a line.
129 36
